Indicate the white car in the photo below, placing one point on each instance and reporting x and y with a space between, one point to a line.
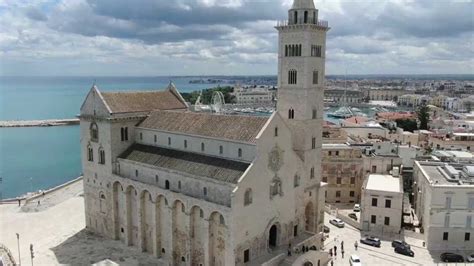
354 260
470 258
337 222
357 207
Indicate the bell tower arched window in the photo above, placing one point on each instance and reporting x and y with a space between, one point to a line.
101 156
94 132
292 76
306 17
291 113
296 17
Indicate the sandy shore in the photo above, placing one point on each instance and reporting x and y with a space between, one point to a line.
56 228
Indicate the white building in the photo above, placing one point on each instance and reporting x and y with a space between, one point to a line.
253 95
202 189
382 204
444 204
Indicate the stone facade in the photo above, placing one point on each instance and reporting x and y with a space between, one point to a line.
201 189
342 170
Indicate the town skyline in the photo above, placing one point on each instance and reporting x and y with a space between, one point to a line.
161 38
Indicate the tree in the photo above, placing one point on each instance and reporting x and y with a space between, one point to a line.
423 116
407 124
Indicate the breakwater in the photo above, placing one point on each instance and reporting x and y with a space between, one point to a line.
39 123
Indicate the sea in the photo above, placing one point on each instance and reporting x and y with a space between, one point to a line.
38 158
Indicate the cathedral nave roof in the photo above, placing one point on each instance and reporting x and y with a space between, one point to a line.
231 127
142 101
190 163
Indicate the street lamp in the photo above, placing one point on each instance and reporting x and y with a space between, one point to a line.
18 241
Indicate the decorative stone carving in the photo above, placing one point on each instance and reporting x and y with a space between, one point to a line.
275 159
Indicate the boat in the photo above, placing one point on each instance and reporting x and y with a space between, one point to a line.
342 112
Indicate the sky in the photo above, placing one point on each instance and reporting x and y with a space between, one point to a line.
228 37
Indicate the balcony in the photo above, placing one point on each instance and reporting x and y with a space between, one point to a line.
318 23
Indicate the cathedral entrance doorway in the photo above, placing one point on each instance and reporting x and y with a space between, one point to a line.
272 238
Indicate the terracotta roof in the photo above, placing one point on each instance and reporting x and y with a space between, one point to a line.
231 127
395 115
145 101
191 163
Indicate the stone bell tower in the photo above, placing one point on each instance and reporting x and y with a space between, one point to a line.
301 78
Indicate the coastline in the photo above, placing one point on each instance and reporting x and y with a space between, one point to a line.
39 123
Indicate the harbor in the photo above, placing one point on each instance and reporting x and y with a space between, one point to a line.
40 123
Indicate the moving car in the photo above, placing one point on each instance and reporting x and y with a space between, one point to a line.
396 243
353 216
337 222
451 257
470 258
354 260
404 250
371 241
357 207
326 229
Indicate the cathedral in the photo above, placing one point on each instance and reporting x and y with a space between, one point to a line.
207 189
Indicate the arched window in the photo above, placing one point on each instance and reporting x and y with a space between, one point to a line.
299 50
94 132
291 113
126 134
292 76
185 144
248 197
296 181
102 206
306 17
286 50
90 153
275 188
169 141
296 17
155 139
315 77
239 152
311 174
101 156
313 143
179 184
167 184
202 146
204 191
122 134
221 149
314 114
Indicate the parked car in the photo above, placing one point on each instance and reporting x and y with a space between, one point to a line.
371 241
354 260
396 243
357 207
326 229
337 222
404 250
451 257
470 258
353 216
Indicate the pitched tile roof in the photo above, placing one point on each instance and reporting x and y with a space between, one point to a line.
191 163
231 127
145 101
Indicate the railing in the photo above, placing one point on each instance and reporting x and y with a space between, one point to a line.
319 23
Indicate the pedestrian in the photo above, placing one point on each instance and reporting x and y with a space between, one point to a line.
342 253
289 250
38 203
19 202
330 252
342 245
355 245
335 250
332 263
